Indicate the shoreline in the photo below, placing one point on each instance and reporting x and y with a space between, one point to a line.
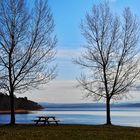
18 111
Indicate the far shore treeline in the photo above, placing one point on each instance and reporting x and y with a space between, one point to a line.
20 103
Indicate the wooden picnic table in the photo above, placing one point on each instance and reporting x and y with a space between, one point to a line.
46 119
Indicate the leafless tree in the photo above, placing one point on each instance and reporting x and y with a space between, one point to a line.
26 47
111 54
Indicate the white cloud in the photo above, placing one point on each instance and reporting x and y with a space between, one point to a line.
69 53
57 91
65 91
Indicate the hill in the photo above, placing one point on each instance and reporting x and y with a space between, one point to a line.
20 103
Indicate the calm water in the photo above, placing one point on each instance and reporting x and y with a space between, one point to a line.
120 116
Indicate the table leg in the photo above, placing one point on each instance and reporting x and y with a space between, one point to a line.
38 121
45 121
55 120
56 123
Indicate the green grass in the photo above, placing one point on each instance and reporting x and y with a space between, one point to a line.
68 132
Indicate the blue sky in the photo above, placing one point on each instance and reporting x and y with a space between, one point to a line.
67 16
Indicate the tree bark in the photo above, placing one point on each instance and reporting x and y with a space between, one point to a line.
12 107
108 118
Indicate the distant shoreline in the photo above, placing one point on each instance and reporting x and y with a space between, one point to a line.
18 111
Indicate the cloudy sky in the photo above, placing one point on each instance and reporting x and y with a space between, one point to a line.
68 15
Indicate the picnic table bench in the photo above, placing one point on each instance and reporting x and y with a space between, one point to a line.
46 119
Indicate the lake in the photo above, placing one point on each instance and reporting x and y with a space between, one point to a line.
125 116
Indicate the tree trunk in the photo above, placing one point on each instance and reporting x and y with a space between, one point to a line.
12 107
108 118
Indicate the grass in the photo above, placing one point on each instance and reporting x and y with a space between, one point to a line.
68 132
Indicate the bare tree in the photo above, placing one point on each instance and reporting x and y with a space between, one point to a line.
110 56
26 47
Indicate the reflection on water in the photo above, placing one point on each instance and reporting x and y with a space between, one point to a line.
123 116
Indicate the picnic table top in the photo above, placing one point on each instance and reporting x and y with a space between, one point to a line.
45 116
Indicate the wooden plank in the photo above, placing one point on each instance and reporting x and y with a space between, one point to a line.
39 120
46 120
52 120
45 116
